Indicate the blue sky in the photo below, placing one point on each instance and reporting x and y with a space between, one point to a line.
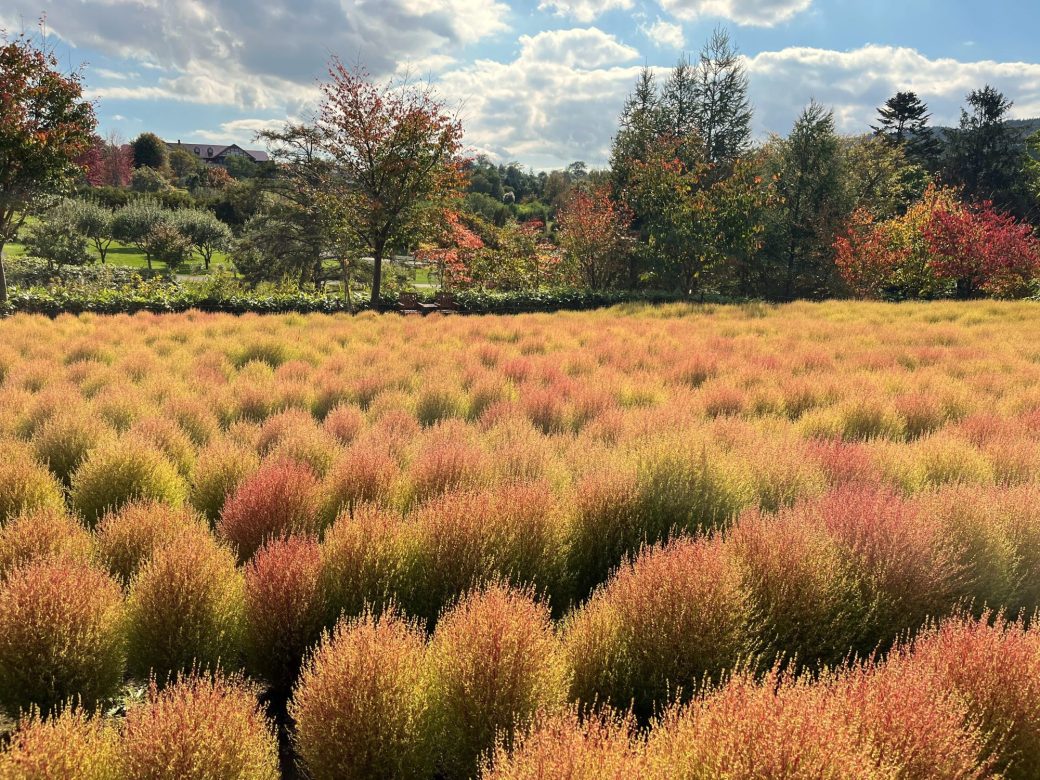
537 81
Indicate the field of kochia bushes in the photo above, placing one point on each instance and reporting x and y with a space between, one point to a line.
672 542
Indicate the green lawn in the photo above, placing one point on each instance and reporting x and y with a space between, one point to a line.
122 255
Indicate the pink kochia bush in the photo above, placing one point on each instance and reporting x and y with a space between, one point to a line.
279 499
285 608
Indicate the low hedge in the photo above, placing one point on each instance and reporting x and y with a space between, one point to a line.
160 296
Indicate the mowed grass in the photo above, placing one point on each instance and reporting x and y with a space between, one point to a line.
679 541
122 255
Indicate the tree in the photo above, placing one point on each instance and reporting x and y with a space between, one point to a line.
452 251
134 222
680 111
108 162
183 163
150 152
94 222
878 177
722 111
167 244
594 237
808 172
204 231
985 155
983 251
55 237
239 166
149 180
903 122
44 125
397 154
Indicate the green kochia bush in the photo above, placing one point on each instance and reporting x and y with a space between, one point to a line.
120 472
71 744
61 636
494 663
186 608
25 484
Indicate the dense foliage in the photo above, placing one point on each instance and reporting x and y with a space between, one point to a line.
643 537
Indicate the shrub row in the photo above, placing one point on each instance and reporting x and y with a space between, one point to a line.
486 693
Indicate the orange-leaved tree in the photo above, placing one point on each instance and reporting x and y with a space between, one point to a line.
44 125
398 152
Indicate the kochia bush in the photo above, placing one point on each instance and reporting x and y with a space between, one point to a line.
62 636
186 608
360 706
494 663
70 744
206 726
123 471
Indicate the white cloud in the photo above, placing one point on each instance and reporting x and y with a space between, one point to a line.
855 82
239 131
583 10
665 35
757 13
555 103
257 55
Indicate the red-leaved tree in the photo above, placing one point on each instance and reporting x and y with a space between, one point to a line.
452 251
397 156
108 162
983 251
45 124
595 236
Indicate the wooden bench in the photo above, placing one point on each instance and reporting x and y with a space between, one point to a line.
446 303
409 303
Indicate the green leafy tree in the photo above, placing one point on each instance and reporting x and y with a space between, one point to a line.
903 122
183 163
150 151
985 154
44 125
808 171
204 231
56 237
134 223
241 167
879 177
148 180
94 222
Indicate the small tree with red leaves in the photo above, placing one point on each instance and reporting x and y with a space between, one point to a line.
396 154
594 236
983 251
44 125
107 162
453 250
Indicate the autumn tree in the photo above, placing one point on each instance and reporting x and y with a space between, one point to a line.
396 154
594 236
45 124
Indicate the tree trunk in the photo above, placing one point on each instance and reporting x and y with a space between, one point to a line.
3 274
377 274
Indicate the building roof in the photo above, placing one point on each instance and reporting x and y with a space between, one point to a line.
209 152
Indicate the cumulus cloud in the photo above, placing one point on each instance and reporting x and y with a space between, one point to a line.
855 82
258 54
238 131
757 13
583 10
664 35
555 103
